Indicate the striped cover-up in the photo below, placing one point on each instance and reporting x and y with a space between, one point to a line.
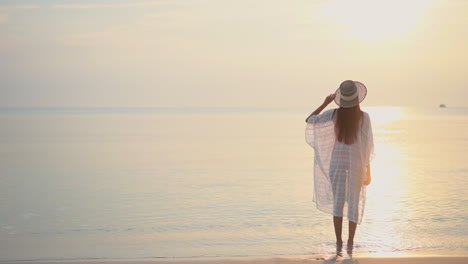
339 169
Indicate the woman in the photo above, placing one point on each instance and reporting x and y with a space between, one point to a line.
343 143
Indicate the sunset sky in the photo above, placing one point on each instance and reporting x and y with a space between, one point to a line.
237 53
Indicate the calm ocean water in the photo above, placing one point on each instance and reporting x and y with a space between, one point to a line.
173 183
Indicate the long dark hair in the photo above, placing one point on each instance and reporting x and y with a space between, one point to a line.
347 124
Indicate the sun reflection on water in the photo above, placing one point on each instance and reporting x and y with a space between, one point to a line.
381 115
388 189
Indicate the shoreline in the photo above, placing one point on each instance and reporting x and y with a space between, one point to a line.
344 260
456 257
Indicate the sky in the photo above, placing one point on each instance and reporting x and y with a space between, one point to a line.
225 53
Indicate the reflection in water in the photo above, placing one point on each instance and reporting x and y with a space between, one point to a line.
167 185
338 259
381 115
386 193
417 161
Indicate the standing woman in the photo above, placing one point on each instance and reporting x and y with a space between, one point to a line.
343 144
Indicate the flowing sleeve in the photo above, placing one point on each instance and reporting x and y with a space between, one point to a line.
319 127
367 140
320 135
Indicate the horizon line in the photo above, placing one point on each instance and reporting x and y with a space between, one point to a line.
210 107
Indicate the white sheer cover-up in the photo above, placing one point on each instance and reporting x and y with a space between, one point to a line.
339 169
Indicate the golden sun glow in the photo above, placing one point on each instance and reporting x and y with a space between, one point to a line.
384 114
389 187
375 19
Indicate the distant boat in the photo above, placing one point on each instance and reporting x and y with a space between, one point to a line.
442 106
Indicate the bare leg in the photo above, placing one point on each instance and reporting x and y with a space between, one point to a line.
338 223
352 231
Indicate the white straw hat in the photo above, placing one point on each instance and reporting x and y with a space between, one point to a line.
350 93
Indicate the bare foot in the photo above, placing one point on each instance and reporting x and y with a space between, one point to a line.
339 248
349 247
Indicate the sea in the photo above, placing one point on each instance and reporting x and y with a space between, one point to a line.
177 183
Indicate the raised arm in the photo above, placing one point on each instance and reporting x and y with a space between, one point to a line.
326 102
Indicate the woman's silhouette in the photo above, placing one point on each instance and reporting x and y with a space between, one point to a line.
343 144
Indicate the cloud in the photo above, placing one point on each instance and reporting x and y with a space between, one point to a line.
91 39
146 30
6 9
119 36
15 7
115 5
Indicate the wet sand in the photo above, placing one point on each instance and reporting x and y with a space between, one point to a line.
288 260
